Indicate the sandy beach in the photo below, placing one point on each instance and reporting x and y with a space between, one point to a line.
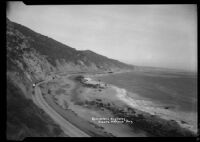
87 101
70 100
138 102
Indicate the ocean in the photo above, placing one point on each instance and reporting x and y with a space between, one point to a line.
174 90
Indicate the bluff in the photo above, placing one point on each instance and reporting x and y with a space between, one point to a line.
31 57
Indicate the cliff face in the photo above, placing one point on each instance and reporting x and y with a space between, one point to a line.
32 57
37 55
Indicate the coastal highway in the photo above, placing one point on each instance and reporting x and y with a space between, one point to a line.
68 128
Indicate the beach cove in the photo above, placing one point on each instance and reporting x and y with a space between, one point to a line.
85 98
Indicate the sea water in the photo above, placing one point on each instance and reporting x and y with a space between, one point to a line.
172 90
171 95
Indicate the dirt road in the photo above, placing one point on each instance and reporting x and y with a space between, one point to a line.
69 129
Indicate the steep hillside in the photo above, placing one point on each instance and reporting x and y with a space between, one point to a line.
103 62
31 57
55 53
24 119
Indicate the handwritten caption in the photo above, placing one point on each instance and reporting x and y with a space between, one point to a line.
111 120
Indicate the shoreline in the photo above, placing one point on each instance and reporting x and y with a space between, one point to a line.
145 106
87 98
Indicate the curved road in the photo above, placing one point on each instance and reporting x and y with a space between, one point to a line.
68 128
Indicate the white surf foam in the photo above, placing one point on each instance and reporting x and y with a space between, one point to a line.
146 106
149 107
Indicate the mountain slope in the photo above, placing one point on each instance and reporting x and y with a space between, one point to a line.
57 53
24 118
31 57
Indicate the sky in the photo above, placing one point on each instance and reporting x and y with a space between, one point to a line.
145 35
